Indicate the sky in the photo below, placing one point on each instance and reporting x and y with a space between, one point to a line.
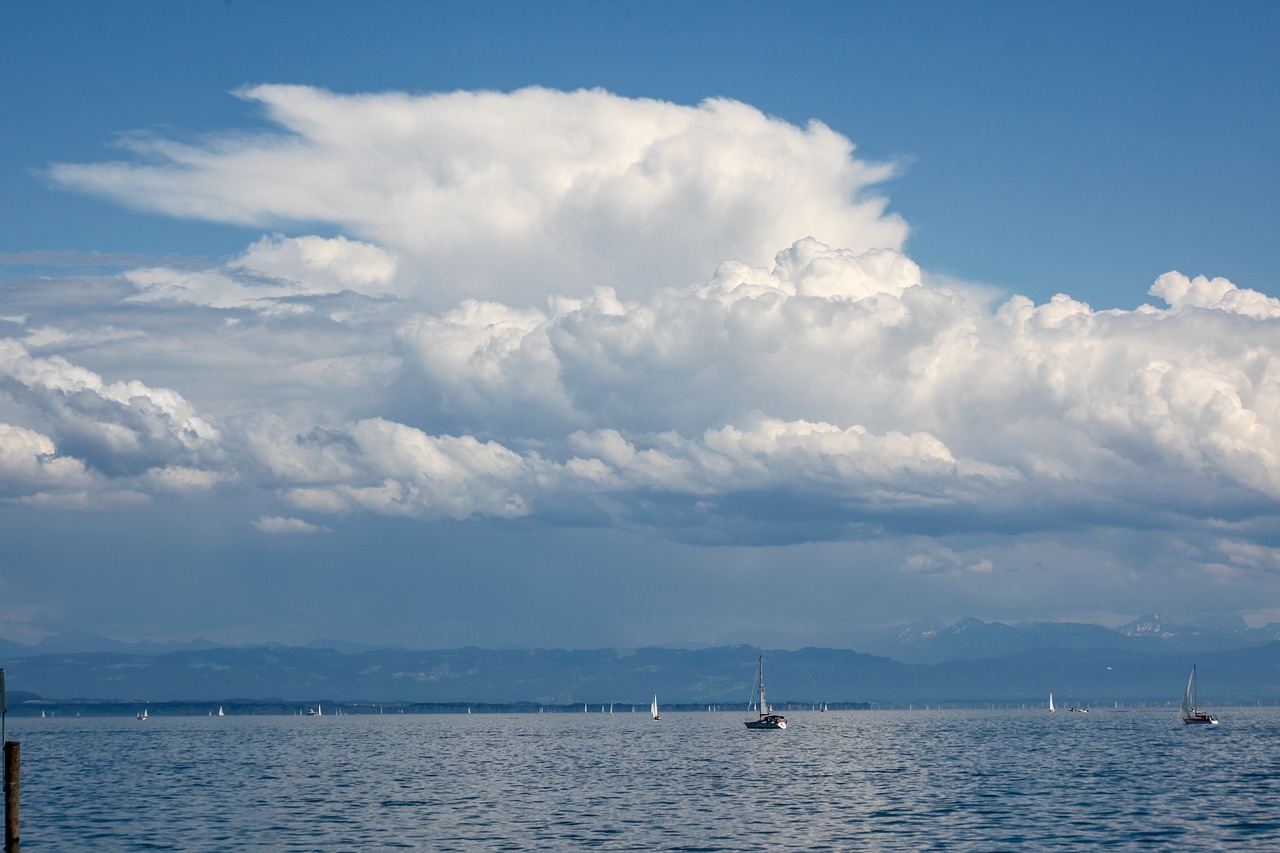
587 324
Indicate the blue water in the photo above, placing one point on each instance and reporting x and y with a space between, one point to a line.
853 780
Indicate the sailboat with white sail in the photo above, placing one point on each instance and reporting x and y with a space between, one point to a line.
766 719
1191 712
653 709
1050 703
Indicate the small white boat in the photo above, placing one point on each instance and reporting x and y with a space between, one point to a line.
1191 713
653 709
220 714
1050 703
143 715
766 719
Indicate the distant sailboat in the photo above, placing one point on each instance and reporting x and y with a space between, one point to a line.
143 715
220 714
766 719
653 709
1050 703
1190 712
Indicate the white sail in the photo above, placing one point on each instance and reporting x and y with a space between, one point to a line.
1050 703
764 706
1191 712
653 709
765 718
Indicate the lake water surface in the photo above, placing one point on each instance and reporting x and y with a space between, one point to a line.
848 780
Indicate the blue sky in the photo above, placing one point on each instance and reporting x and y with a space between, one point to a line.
561 324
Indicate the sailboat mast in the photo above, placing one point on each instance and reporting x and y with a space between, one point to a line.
764 709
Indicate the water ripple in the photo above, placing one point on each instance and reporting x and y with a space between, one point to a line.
879 780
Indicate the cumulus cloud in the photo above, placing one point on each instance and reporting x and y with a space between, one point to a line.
546 298
507 195
1181 291
29 463
272 274
122 418
279 524
946 563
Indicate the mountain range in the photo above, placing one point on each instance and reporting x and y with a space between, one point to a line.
973 639
969 661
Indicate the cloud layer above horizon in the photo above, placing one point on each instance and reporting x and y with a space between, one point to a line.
583 309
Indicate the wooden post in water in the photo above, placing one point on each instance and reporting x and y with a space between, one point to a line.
12 763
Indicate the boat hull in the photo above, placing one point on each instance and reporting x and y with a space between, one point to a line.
773 722
1200 718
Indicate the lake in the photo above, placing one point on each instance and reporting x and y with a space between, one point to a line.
842 780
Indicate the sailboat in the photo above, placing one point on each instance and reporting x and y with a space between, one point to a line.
220 714
766 719
1191 713
653 709
143 715
1050 703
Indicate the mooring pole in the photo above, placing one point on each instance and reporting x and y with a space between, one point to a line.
12 764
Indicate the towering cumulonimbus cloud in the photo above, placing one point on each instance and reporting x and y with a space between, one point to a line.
546 304
509 195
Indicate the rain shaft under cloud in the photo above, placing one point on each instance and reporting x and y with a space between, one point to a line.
695 323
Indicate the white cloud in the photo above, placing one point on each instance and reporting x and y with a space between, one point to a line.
1181 291
279 524
548 298
272 274
507 195
177 479
322 265
29 462
834 375
118 428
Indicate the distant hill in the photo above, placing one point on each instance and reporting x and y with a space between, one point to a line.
75 642
721 675
973 639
